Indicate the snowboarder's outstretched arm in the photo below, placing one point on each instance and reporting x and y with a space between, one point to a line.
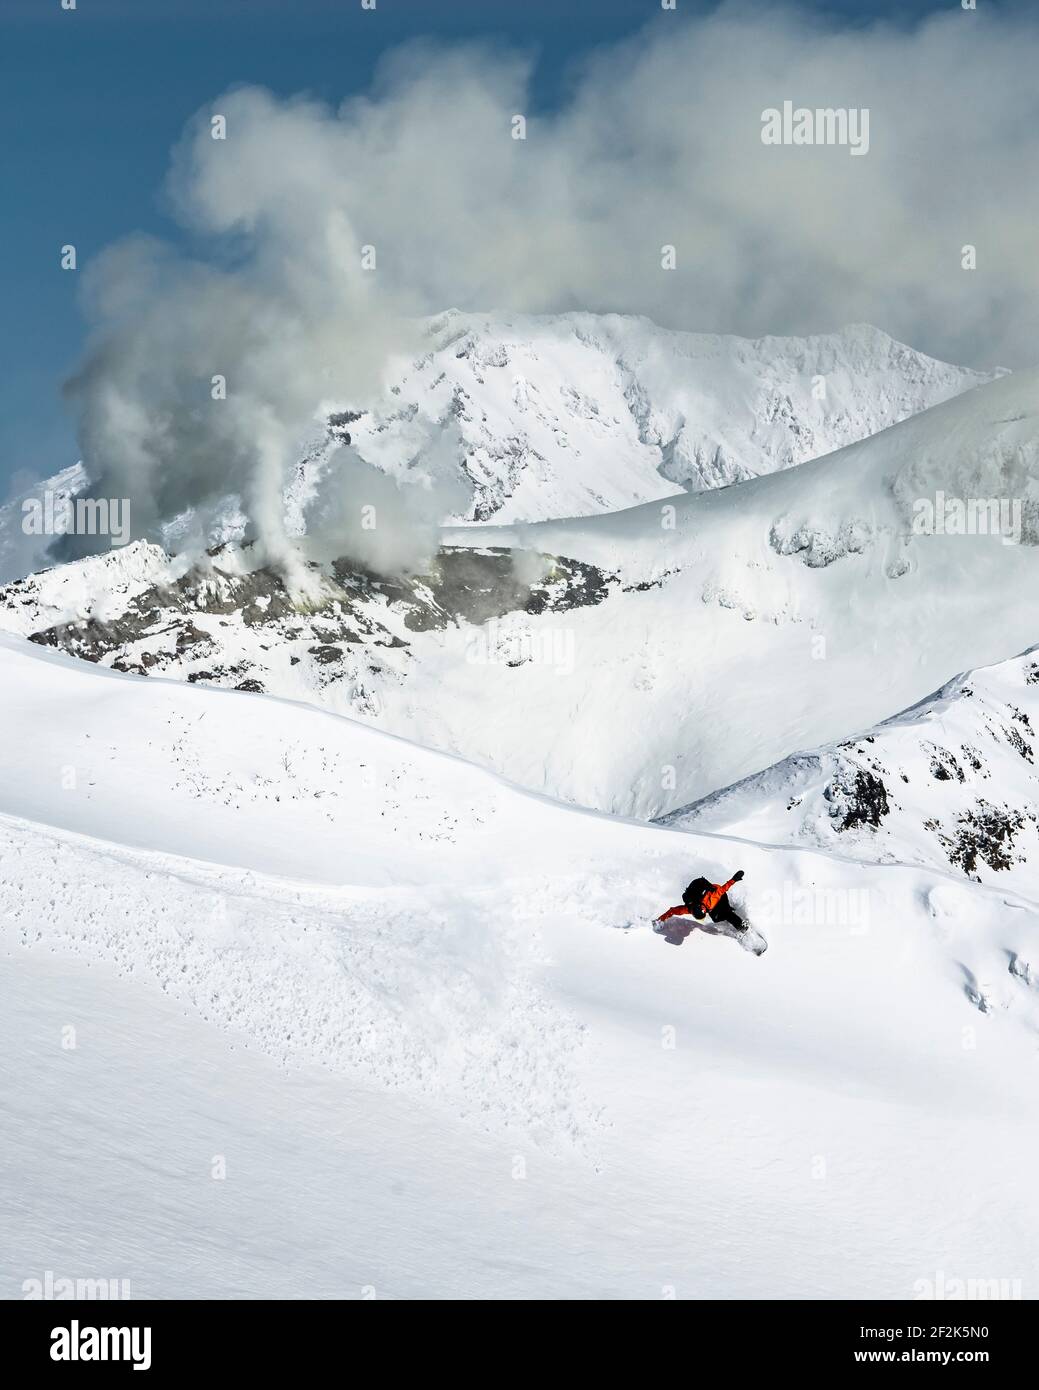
714 897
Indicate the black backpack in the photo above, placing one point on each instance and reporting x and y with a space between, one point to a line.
693 895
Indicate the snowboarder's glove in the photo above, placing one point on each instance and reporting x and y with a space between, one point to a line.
737 876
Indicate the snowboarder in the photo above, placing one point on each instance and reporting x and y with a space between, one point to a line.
703 899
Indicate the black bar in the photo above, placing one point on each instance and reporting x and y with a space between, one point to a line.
271 1340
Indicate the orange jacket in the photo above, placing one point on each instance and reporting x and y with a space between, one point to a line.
715 895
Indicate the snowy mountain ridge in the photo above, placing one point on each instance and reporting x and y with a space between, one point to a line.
618 661
535 417
950 783
577 414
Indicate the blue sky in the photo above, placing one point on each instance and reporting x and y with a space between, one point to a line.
92 101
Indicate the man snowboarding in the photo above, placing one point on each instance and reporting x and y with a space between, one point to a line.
703 899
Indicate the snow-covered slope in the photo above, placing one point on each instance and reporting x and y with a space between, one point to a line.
633 662
951 783
494 1091
576 414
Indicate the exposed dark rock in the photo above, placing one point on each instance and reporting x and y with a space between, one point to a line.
325 653
985 832
474 586
858 800
972 756
160 628
644 584
944 767
338 424
1018 742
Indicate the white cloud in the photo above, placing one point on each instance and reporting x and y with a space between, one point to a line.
659 143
